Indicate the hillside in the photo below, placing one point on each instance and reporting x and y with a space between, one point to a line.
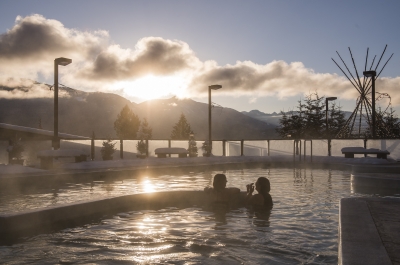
81 113
273 118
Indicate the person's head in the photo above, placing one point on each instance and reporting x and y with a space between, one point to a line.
263 185
219 182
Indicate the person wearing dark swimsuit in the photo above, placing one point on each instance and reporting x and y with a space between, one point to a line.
262 200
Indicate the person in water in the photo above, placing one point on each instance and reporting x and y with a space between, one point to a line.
219 192
263 199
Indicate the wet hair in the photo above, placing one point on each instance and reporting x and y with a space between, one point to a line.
219 182
264 184
265 188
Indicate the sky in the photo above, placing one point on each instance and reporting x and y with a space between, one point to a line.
266 54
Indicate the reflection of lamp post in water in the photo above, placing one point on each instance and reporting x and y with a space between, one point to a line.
213 87
327 123
372 74
58 61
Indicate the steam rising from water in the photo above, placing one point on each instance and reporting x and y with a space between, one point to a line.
301 229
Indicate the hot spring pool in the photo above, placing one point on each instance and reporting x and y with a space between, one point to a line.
301 228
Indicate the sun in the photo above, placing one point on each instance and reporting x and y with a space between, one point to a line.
152 87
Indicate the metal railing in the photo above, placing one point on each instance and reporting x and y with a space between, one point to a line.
300 149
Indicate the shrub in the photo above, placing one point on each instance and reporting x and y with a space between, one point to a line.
141 147
108 149
15 149
206 149
192 146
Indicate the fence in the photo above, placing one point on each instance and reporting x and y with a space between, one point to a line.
277 147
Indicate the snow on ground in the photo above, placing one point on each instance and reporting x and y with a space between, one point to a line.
175 161
18 169
153 161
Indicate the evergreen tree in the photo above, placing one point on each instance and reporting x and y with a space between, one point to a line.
310 120
141 147
145 133
108 149
291 126
192 146
127 124
181 130
206 148
392 124
387 125
15 149
336 121
314 116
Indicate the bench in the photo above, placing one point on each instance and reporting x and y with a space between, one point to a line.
46 156
163 152
349 152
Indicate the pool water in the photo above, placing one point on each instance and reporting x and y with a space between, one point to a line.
302 228
38 197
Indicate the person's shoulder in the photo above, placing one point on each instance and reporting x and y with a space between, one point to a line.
233 190
258 196
257 199
209 190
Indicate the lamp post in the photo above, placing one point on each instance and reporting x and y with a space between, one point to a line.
213 87
58 61
326 111
327 124
372 74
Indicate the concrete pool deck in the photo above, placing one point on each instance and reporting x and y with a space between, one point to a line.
368 227
369 231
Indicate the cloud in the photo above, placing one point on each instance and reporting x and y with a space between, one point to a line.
30 46
276 78
24 88
37 38
152 55
280 79
390 86
33 43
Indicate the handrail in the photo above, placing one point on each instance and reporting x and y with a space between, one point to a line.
264 149
232 140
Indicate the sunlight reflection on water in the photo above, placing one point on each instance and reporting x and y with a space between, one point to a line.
301 228
148 186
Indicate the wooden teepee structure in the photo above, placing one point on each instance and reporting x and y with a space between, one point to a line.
360 121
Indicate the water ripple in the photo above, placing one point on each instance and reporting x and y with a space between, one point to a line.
301 229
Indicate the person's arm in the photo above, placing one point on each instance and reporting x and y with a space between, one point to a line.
250 190
208 189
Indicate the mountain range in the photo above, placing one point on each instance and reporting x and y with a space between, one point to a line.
82 113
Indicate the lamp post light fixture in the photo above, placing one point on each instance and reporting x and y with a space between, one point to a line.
58 61
213 87
372 74
327 124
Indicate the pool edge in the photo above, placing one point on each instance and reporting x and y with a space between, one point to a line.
359 239
14 226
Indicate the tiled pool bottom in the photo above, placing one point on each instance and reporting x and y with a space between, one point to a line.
301 229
